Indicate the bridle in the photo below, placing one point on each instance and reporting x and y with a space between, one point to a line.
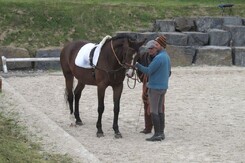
126 67
119 62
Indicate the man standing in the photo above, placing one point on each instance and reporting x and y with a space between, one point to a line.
161 45
158 73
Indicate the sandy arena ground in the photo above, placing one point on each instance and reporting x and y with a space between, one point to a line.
205 117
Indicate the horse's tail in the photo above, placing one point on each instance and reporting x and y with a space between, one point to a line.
71 116
69 78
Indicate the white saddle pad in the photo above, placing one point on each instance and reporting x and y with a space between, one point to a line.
82 59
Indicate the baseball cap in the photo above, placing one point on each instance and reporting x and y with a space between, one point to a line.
150 44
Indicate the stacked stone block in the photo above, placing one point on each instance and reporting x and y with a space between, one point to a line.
195 40
215 40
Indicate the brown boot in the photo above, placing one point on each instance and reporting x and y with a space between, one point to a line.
145 131
148 121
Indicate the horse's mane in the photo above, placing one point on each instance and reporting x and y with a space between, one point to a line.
122 37
119 37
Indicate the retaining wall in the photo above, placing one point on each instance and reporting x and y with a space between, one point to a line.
200 40
195 40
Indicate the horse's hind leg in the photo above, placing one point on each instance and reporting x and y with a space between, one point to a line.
78 92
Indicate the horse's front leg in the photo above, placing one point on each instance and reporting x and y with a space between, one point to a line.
77 93
101 107
117 91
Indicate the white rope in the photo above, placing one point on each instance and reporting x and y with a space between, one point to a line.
137 124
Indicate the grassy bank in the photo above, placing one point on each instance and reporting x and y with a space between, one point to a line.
15 147
35 24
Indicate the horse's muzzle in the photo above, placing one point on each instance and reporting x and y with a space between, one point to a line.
130 72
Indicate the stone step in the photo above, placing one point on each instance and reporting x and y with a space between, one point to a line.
239 56
213 56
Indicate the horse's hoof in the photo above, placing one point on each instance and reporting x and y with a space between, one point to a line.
73 125
100 135
118 135
79 123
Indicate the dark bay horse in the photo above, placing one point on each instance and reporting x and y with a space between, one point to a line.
115 56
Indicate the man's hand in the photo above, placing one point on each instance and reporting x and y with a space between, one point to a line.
131 66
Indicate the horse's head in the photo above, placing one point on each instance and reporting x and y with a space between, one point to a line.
126 50
143 58
130 50
132 54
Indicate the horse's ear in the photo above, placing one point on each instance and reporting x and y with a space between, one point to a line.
143 41
136 44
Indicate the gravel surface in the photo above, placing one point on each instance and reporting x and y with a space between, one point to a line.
205 110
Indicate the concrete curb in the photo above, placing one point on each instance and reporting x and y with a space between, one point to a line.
39 124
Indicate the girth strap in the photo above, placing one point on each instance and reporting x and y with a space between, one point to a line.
91 55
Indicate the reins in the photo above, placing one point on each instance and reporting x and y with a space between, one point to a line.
123 65
112 48
135 78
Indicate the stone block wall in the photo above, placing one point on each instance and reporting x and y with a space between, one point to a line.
15 52
215 40
213 55
46 53
239 56
191 40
